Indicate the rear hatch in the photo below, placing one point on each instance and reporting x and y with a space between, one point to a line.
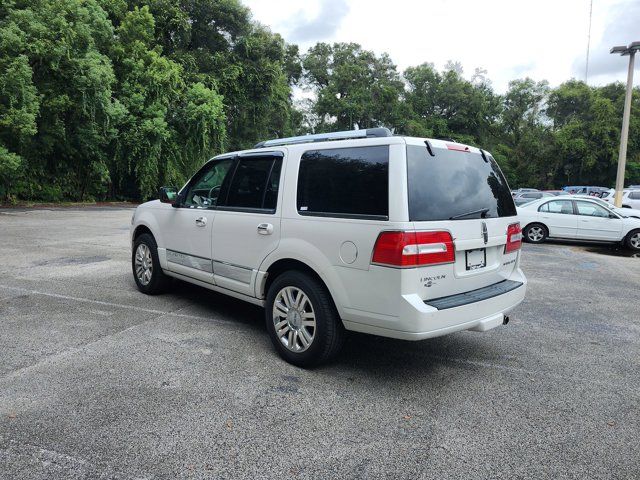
461 190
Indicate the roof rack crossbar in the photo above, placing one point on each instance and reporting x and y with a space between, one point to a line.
325 137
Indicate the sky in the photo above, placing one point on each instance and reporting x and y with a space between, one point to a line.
541 39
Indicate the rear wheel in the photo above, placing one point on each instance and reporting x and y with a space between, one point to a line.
535 233
633 240
302 320
145 263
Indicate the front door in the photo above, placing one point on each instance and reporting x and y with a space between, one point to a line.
559 217
187 229
597 223
247 223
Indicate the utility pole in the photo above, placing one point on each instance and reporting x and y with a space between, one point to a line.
586 68
624 134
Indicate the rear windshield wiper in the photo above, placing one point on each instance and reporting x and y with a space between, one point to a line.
482 212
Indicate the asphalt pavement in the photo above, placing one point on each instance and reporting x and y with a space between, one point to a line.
100 381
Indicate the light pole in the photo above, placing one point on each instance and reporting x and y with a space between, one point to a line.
624 135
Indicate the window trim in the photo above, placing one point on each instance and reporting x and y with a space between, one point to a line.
183 191
352 216
235 159
274 156
573 206
348 216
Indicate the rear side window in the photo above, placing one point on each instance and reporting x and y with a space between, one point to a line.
557 206
455 185
254 185
634 195
345 182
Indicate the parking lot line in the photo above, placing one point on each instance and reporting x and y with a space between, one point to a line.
112 304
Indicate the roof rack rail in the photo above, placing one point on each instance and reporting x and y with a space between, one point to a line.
325 137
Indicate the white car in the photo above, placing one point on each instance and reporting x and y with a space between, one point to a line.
630 198
577 218
526 197
359 230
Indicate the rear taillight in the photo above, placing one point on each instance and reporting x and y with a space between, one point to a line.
413 249
514 238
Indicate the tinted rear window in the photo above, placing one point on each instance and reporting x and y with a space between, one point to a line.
453 184
345 182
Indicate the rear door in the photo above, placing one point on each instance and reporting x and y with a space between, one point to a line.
596 222
247 222
460 190
559 217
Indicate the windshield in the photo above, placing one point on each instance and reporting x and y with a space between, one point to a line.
454 185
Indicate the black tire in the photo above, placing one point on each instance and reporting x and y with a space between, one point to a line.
632 240
535 233
328 334
158 281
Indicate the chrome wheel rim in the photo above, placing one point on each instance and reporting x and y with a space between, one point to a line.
144 264
535 234
294 319
635 240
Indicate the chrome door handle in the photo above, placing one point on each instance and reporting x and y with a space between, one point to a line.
201 221
265 229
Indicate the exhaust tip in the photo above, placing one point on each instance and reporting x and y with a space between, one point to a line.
505 320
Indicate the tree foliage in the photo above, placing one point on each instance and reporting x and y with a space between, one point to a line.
113 98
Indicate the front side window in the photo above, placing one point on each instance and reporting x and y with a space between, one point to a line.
557 206
634 195
345 182
254 184
592 210
205 189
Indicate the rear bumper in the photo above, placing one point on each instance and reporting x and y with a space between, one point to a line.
480 310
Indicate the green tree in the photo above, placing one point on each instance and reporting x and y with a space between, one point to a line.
446 105
354 87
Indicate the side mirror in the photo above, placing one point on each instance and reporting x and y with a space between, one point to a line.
611 215
168 194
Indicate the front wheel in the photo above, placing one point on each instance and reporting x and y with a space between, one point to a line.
535 233
633 240
145 263
302 320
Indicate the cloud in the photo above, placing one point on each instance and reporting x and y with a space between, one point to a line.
323 26
623 28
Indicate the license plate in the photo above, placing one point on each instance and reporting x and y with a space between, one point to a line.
476 258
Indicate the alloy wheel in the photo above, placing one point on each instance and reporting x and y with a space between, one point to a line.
634 240
535 234
144 264
294 319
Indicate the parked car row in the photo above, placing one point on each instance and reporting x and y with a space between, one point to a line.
630 197
402 237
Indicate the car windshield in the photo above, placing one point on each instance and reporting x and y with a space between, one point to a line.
455 185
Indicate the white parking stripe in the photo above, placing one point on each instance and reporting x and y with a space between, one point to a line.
111 304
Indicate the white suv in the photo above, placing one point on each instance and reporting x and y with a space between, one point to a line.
394 236
630 198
